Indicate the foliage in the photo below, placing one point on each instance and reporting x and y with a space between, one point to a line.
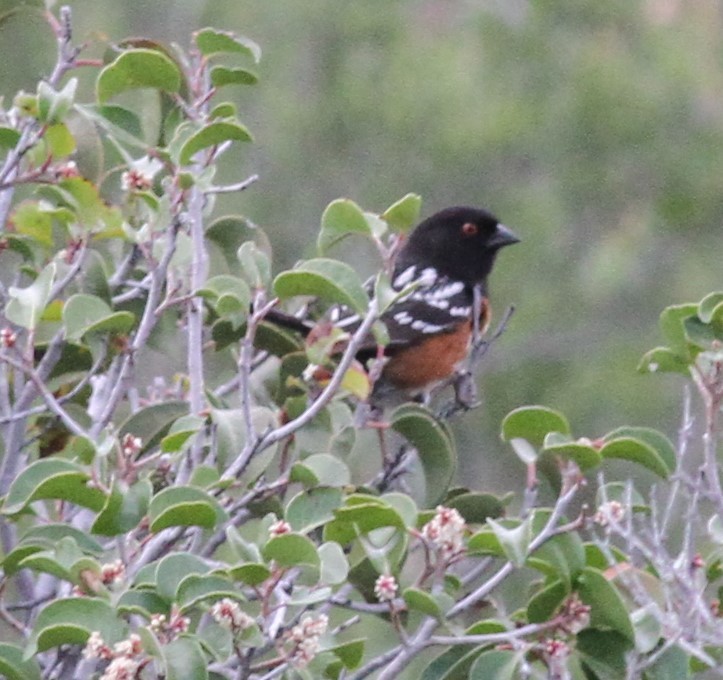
186 494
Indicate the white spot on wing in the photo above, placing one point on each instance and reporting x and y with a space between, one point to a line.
425 327
427 277
446 291
403 318
405 278
460 311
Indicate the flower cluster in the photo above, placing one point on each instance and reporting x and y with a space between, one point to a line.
125 657
140 174
112 573
279 528
7 338
610 512
386 588
574 614
169 628
229 614
305 639
445 532
131 445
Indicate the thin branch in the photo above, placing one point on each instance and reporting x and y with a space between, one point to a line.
280 433
233 188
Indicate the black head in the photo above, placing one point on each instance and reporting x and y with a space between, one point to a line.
459 242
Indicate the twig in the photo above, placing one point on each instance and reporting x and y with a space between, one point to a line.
233 188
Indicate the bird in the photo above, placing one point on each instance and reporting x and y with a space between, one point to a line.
444 259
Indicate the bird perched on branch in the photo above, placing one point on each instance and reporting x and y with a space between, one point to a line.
444 264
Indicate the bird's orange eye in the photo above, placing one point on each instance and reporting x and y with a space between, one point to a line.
469 229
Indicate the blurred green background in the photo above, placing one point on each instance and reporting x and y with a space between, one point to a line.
593 129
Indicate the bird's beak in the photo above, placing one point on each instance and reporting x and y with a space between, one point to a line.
502 237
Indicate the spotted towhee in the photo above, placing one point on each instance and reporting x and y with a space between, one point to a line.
444 260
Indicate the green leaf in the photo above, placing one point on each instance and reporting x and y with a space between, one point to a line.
26 305
404 214
231 232
533 423
341 218
710 307
173 569
71 621
214 133
544 603
180 432
9 137
222 75
152 423
53 106
647 622
636 451
672 664
653 438
138 68
663 360
476 508
672 324
454 664
495 664
211 41
124 508
583 455
14 667
183 506
250 573
83 314
255 264
185 659
328 470
122 118
312 508
328 279
52 478
350 653
434 446
230 297
197 588
31 218
334 565
421 601
603 652
607 607
291 550
60 140
515 541
142 602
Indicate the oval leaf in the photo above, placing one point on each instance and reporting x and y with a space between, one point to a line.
636 451
290 550
211 41
404 214
221 75
433 444
607 607
182 506
328 279
341 218
26 305
533 423
52 478
71 621
14 667
213 134
138 68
